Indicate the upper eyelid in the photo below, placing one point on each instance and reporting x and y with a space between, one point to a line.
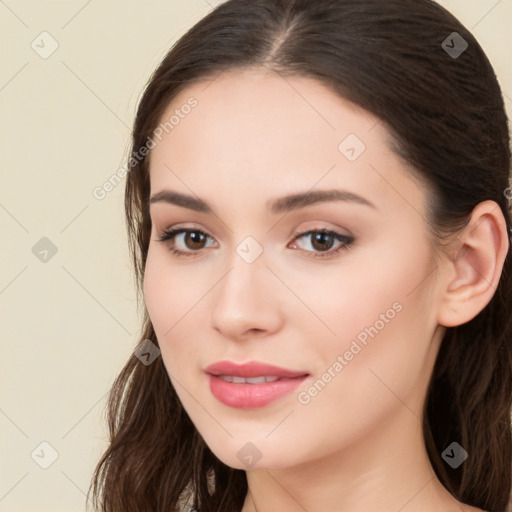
295 232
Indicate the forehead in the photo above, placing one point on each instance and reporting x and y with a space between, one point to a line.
261 133
253 104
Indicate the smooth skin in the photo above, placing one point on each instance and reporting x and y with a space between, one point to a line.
357 445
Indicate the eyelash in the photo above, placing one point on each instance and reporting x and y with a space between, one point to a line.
347 242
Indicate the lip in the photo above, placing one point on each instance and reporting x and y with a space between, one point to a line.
251 369
251 396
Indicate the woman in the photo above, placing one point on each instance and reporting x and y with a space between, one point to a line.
318 216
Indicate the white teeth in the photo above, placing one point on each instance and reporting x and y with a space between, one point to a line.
249 380
260 380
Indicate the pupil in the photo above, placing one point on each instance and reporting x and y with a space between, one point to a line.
321 238
195 237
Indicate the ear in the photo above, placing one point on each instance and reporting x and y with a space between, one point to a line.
474 270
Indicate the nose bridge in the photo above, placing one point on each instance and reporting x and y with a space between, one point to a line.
245 279
243 299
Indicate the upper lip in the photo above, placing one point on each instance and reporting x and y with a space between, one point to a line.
251 369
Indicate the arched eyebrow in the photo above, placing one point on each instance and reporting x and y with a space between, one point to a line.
276 206
302 199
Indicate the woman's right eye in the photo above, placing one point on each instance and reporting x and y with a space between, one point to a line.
191 237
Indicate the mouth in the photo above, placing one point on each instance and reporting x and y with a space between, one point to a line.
252 369
235 379
251 385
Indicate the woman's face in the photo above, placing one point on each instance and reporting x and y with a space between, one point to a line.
352 312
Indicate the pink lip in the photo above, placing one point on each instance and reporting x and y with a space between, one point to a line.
251 369
250 396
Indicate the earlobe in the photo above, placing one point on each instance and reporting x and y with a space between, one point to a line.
476 269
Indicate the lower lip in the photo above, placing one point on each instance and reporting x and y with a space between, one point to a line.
251 396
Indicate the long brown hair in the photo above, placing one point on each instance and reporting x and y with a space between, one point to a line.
446 114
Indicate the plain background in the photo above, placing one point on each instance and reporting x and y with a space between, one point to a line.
69 323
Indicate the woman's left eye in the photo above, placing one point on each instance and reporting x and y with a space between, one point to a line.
322 240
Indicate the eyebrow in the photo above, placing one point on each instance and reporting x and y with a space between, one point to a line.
276 206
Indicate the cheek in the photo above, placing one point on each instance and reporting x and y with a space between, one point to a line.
366 289
361 385
168 291
165 299
383 318
384 356
174 303
159 297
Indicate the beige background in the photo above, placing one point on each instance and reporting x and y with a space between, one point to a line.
69 324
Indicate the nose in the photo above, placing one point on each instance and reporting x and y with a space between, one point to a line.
246 301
